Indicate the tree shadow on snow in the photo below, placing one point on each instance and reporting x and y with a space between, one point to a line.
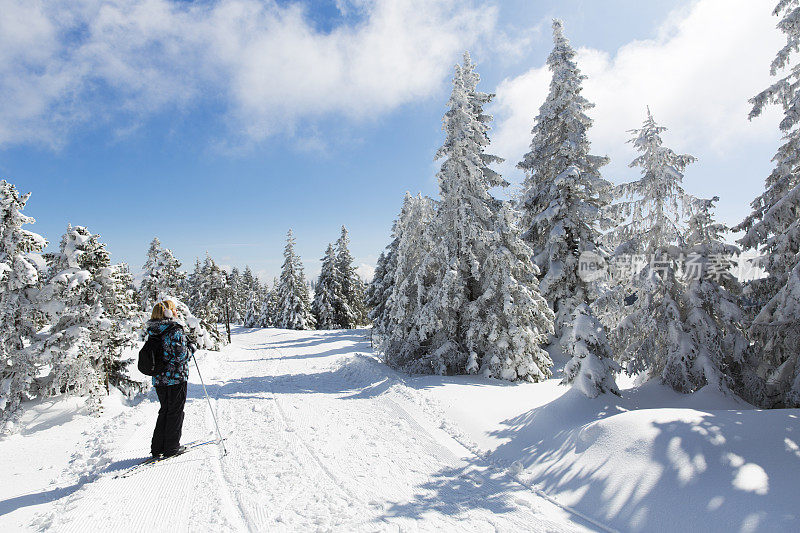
456 491
700 467
360 377
319 339
316 340
312 355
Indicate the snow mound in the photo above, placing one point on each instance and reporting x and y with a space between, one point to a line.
654 460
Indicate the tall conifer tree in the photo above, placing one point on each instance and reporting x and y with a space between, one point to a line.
564 193
328 294
478 263
351 312
773 228
293 305
19 279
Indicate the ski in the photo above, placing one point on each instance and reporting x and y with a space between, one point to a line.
153 460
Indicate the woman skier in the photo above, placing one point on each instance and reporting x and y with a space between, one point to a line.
170 385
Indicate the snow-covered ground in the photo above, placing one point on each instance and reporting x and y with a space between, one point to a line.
321 436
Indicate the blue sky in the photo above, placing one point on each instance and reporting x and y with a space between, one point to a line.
218 125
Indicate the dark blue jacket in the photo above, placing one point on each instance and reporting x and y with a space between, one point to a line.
176 352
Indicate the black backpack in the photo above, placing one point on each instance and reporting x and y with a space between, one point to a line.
151 356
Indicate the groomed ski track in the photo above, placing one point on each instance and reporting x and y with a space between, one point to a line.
320 437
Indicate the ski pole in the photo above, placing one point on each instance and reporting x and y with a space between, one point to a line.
221 440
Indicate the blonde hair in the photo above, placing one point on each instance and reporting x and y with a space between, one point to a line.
164 310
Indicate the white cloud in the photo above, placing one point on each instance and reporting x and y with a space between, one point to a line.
69 62
696 76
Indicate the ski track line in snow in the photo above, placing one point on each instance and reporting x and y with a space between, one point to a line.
339 483
231 506
234 511
431 447
243 474
499 466
314 457
489 462
136 503
441 456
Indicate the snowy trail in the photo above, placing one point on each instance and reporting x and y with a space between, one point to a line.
319 438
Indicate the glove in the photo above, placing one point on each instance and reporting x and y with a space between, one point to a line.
192 347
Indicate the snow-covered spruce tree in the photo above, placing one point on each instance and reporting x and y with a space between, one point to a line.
654 208
328 294
563 194
194 283
19 279
204 335
251 288
216 295
780 315
451 271
652 338
269 305
252 311
466 322
265 317
380 288
686 326
238 299
148 289
722 356
650 214
400 340
120 300
87 303
208 285
510 319
592 367
293 305
250 282
162 275
353 312
773 228
192 300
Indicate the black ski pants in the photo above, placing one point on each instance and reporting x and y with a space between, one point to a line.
167 435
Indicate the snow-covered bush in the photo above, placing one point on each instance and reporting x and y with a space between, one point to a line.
89 305
592 368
